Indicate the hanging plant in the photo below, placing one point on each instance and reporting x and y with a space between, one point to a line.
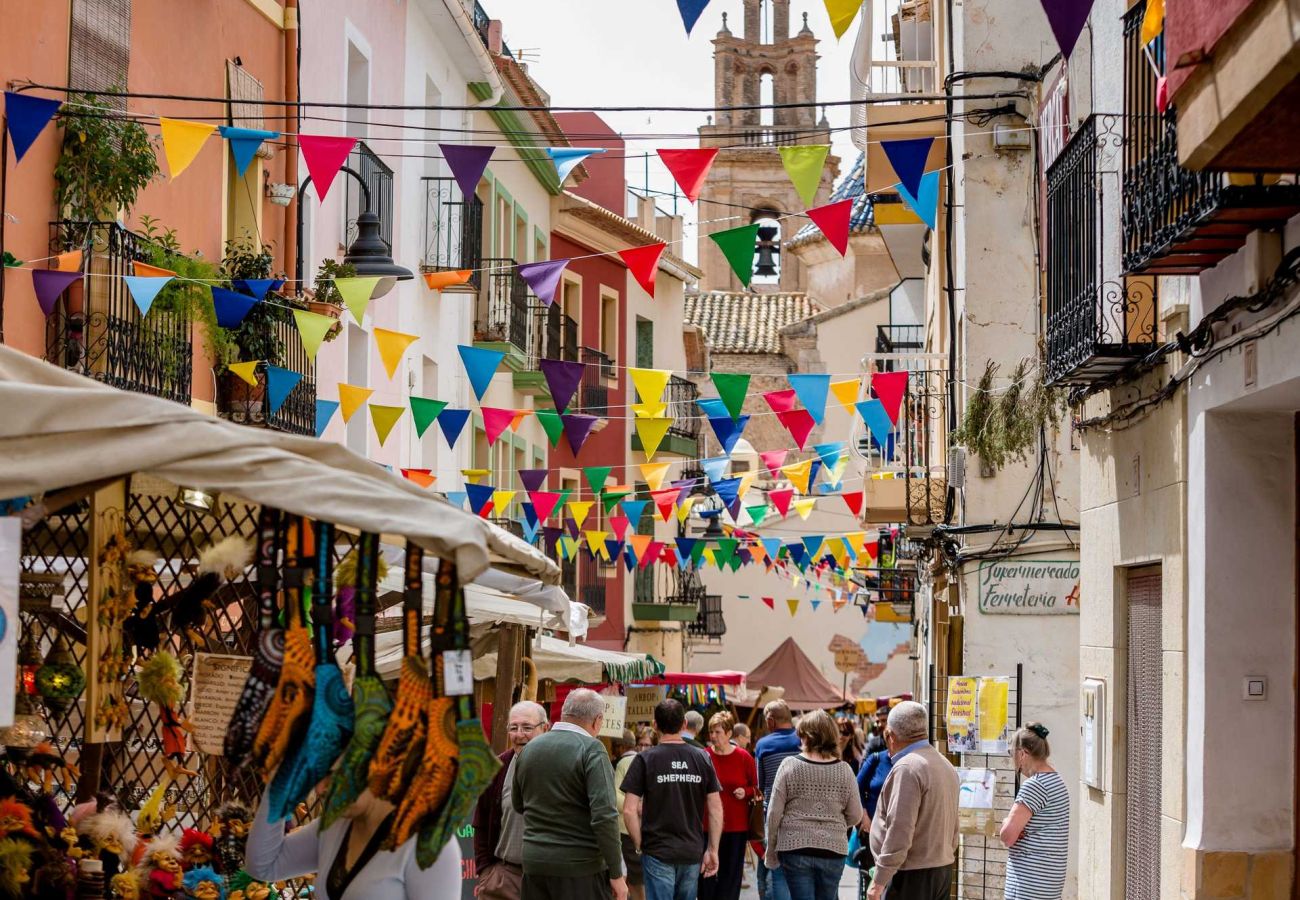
105 162
1003 427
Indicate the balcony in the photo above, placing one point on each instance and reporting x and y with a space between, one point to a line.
379 179
683 437
241 402
593 390
666 594
503 318
554 336
453 230
1177 221
96 328
905 479
709 625
1094 326
591 584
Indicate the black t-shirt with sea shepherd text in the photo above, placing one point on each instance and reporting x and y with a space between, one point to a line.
674 782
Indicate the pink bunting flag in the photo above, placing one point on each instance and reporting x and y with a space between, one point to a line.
324 155
643 263
49 285
544 502
781 500
689 168
890 388
665 501
650 554
780 401
774 460
854 502
618 525
834 220
543 278
799 422
496 421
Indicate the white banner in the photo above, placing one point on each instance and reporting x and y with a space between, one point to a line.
11 536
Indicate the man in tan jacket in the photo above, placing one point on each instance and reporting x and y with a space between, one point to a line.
914 834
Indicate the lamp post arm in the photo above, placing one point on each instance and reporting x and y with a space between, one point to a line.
365 188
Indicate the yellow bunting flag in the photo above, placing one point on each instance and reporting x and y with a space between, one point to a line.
846 392
746 480
804 506
649 410
793 603
650 383
654 474
708 555
473 475
68 262
805 166
579 509
356 293
596 543
684 508
501 501
392 344
857 540
651 434
570 546
350 399
799 474
842 13
439 280
246 370
182 141
1153 21
312 328
385 417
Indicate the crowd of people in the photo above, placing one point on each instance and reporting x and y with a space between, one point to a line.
671 812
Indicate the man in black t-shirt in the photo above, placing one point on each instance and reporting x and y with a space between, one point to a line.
669 790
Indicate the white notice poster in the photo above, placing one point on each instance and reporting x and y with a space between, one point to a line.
11 534
214 693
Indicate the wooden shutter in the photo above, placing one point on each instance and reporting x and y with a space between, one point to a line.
99 48
1145 753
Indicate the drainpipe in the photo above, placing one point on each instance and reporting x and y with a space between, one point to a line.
292 49
481 56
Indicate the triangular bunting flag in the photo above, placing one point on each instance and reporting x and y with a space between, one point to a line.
452 422
577 428
811 391
643 263
830 454
457 498
279 385
145 290
804 506
231 307
781 500
654 474
793 604
732 388
325 410
392 344
691 10
812 543
846 392
1067 18
532 479
480 498
350 399
799 422
773 547
890 388
689 169
26 117
480 365
780 401
356 293
495 421
423 477
467 163
437 281
650 383
544 503
543 278
501 502
873 413
805 165
566 159
665 502
773 460
842 13
579 509
324 155
385 417
770 601
312 328
728 431
757 514
854 502
144 270
182 141
799 474
728 490
715 467
926 203
562 380
596 476
737 245
244 143
424 411
552 424
247 371
649 410
908 159
634 509
255 287
650 432
834 220
596 543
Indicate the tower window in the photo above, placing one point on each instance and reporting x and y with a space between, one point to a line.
767 249
766 97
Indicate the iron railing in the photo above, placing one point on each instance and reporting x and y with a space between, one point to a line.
379 179
503 309
709 625
1094 325
481 22
555 335
681 396
241 402
97 330
591 583
594 391
453 229
899 338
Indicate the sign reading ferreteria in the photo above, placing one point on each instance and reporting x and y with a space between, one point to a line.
1029 587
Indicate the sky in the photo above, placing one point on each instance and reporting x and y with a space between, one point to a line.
637 53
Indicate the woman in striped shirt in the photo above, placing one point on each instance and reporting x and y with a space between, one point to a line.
1037 831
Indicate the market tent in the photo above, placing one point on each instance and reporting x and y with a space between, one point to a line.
499 581
59 430
790 668
559 660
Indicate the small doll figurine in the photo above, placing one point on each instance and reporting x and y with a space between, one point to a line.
125 885
15 867
111 836
196 849
163 865
140 630
243 887
16 820
204 883
230 833
223 561
160 681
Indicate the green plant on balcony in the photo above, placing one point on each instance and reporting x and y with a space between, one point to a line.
1002 425
324 298
105 162
256 337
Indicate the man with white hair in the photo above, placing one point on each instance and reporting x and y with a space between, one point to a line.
694 727
498 829
914 833
563 785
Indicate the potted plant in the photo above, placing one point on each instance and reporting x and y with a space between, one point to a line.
256 338
324 298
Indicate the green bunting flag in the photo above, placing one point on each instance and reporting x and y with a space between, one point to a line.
596 476
424 412
804 165
732 388
552 424
737 245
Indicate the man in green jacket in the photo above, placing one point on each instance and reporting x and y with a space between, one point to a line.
564 787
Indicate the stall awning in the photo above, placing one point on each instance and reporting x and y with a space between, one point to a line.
681 679
557 660
59 430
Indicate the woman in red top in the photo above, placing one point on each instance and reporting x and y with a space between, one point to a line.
739 778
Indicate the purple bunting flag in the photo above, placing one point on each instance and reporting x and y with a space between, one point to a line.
543 278
577 428
49 285
562 379
467 163
533 479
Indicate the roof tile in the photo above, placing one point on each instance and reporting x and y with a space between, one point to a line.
745 322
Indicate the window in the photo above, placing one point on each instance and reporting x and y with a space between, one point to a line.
766 97
571 299
645 343
609 326
99 47
358 91
358 374
521 239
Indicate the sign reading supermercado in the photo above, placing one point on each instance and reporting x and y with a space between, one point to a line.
1029 587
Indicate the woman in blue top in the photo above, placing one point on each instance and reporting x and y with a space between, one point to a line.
871 778
1037 831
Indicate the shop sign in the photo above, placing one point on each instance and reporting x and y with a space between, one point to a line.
641 703
615 715
1028 587
846 661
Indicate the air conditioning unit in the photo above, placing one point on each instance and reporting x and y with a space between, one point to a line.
957 467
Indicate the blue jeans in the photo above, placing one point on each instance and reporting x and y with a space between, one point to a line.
809 877
777 887
669 881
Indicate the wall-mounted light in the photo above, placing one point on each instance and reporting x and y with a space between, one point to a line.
197 499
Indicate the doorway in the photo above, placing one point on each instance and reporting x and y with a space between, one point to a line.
1144 734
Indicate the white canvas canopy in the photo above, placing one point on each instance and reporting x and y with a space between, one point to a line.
559 660
59 429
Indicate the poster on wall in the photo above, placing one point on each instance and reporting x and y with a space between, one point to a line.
11 533
977 714
975 802
961 713
994 718
1029 587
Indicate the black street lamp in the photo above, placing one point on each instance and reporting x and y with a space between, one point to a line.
369 255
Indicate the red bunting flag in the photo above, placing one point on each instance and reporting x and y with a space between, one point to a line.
544 503
618 525
770 601
781 500
799 422
324 155
780 401
889 388
643 263
854 502
774 460
665 502
689 168
834 220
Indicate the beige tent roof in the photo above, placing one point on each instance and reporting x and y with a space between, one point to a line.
59 429
559 660
790 668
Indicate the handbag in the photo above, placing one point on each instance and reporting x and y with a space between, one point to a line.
757 820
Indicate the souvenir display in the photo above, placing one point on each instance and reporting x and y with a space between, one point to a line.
162 863
189 606
197 848
230 825
160 681
204 884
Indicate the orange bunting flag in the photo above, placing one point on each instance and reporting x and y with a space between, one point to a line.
68 262
423 477
392 344
144 270
437 281
846 392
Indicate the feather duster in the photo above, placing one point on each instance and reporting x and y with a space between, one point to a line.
15 866
160 679
204 875
220 563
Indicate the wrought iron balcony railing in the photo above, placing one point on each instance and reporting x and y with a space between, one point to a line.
503 308
97 330
453 229
1177 221
591 584
594 391
555 335
681 396
709 625
379 179
1094 325
241 402
900 338
906 480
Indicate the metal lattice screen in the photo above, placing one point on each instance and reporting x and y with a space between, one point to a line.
1145 753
